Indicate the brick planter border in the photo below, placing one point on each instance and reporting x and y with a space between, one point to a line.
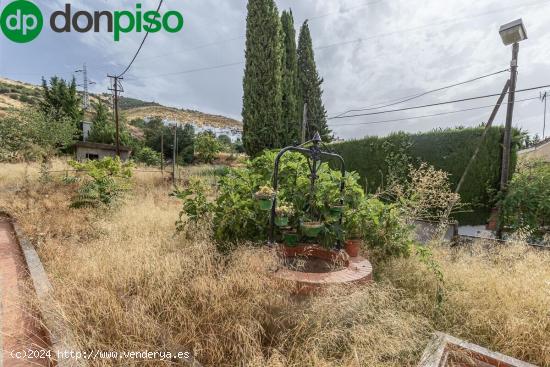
60 335
357 269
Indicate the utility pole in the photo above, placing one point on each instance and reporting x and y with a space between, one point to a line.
175 153
304 124
507 146
116 88
544 98
162 150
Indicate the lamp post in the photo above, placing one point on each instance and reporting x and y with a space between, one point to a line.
511 33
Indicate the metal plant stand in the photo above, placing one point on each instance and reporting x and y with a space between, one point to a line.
313 151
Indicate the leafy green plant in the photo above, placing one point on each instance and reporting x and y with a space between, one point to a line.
107 179
207 147
196 206
526 205
148 156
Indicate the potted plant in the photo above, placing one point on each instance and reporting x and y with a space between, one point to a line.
311 228
265 197
336 209
283 213
353 224
290 237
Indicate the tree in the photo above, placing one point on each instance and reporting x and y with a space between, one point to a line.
103 127
60 99
32 134
291 118
310 87
207 147
262 83
155 129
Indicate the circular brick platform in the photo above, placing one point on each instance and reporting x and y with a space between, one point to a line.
357 269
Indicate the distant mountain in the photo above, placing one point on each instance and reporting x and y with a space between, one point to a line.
15 94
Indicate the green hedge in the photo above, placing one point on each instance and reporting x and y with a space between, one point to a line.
377 158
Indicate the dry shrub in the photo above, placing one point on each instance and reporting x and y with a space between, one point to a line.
124 280
497 297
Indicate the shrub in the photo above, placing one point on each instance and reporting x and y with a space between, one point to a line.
196 207
148 156
527 202
380 161
107 179
207 147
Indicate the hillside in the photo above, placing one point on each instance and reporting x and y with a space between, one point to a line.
15 94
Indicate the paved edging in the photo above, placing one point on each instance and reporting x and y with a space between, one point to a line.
60 334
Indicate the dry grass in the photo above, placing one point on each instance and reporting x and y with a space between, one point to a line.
125 281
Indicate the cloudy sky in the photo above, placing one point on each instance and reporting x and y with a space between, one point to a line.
369 52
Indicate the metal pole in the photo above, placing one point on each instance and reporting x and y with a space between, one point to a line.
544 121
304 124
507 146
162 150
174 154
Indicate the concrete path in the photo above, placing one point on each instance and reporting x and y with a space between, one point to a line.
20 330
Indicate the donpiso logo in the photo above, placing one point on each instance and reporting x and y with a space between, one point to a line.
21 21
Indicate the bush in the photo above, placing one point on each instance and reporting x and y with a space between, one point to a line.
207 147
527 202
107 179
148 156
380 161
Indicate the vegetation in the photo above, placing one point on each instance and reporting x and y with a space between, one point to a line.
30 134
207 147
148 157
262 100
155 131
103 126
60 99
106 180
526 205
126 103
383 161
125 281
292 116
310 87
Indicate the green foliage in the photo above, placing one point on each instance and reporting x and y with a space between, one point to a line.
380 161
107 179
262 83
60 100
148 156
207 147
155 130
196 206
126 103
310 87
32 135
527 202
291 117
103 127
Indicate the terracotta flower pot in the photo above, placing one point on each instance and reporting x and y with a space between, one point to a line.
353 247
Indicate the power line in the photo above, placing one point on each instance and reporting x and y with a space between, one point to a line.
435 104
140 47
431 115
415 96
189 71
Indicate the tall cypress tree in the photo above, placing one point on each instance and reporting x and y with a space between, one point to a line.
310 87
262 84
291 118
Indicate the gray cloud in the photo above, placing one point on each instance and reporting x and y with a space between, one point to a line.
407 47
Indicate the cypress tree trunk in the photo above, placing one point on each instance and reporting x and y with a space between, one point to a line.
291 118
310 87
262 84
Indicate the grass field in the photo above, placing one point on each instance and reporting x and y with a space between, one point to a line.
124 280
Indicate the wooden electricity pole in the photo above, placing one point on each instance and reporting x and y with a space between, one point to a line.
304 124
116 88
162 151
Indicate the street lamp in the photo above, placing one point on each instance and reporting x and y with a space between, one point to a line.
511 33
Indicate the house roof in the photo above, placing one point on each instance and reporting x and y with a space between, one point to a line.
87 144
